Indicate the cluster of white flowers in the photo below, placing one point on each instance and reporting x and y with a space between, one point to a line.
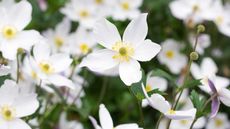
51 61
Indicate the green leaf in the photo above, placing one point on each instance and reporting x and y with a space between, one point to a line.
191 84
137 89
198 103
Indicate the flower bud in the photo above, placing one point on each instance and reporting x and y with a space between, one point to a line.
200 28
194 56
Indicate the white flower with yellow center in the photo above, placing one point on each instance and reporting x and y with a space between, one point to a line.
81 42
58 37
15 105
122 54
159 103
82 11
48 67
15 17
126 9
220 121
171 56
107 122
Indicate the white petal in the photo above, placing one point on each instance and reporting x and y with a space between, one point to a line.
64 27
26 105
94 122
181 115
9 51
60 62
100 60
224 95
157 83
208 66
18 124
130 72
105 118
196 71
146 51
157 101
20 14
8 92
179 9
136 31
59 80
127 126
106 33
41 51
4 70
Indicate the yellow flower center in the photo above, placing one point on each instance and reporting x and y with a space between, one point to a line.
195 8
9 32
184 122
124 51
125 5
34 75
84 48
58 42
219 122
46 68
84 13
219 20
148 88
171 112
99 1
170 54
7 113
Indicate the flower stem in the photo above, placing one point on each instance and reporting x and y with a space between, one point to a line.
158 121
18 69
103 90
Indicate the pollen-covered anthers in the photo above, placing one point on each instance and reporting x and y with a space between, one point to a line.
170 54
84 13
125 51
46 68
219 122
84 48
171 112
125 6
195 8
7 112
148 88
219 20
58 41
98 1
9 32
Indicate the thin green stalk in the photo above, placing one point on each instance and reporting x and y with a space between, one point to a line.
18 69
103 90
159 120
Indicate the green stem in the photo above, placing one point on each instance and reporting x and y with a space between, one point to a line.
103 90
18 69
159 120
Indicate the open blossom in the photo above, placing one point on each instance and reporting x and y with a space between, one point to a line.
126 9
107 122
15 105
81 42
59 36
12 35
122 54
208 70
171 56
220 121
48 67
220 94
159 103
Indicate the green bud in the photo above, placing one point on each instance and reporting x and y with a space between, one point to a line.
194 56
20 50
200 28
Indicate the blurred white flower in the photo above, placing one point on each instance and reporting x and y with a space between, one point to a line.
82 11
14 105
107 122
48 67
43 5
159 103
59 36
208 70
171 56
65 124
126 9
81 42
219 122
122 54
14 19
4 70
203 42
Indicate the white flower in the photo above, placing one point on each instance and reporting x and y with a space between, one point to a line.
122 54
171 56
14 106
83 11
203 42
107 122
48 67
4 70
207 70
65 124
126 9
81 42
219 122
191 11
13 20
159 103
58 37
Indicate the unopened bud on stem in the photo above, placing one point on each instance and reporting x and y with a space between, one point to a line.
194 56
